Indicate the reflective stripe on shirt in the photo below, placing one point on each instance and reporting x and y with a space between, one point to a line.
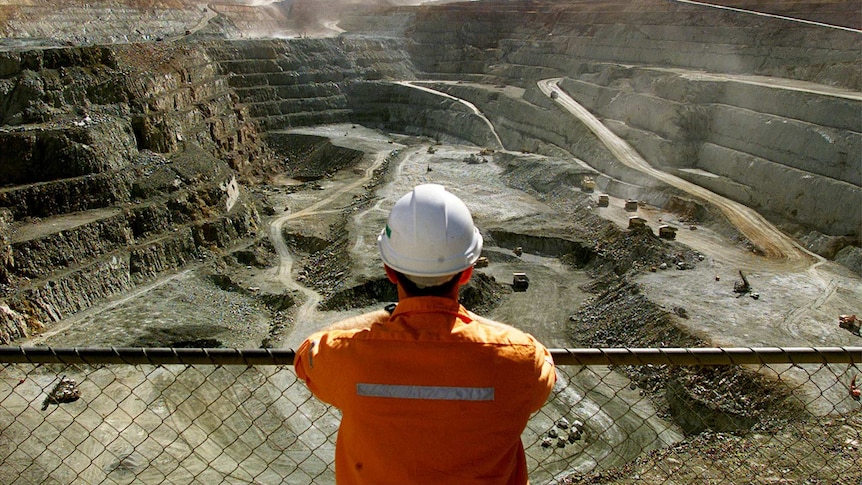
425 392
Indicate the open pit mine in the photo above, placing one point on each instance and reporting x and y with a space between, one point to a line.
645 173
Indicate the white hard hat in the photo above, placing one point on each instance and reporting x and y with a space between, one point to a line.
429 233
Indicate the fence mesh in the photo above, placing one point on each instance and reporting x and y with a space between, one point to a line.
664 416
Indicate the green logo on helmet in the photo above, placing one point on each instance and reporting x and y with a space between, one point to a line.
388 231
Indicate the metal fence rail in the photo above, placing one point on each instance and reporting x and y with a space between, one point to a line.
586 356
665 416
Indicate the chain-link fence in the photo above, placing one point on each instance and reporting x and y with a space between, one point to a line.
674 416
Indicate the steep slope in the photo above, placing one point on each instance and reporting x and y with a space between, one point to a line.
114 175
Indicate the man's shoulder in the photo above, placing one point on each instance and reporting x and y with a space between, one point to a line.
355 324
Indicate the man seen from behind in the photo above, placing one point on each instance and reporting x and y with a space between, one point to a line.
431 393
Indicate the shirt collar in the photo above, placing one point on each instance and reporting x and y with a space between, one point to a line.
431 304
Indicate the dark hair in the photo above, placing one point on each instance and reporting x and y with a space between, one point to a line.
439 290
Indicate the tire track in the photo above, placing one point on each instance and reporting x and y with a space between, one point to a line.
304 316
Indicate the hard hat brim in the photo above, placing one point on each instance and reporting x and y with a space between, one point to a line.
425 267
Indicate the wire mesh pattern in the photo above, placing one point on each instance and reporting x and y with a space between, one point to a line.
215 416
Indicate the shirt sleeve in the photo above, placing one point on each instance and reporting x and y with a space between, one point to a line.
547 376
316 360
320 359
312 366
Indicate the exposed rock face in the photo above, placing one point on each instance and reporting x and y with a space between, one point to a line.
798 167
87 110
402 109
309 157
99 21
117 174
305 81
51 154
6 256
15 325
504 38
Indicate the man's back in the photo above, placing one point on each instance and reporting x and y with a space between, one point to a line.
430 395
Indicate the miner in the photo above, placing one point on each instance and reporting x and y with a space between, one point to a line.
429 392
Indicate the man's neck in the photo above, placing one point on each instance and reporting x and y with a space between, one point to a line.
452 294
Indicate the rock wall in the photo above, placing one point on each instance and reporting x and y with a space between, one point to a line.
121 164
97 21
68 195
756 145
38 256
311 157
95 107
6 256
409 110
303 82
60 273
629 62
462 38
52 153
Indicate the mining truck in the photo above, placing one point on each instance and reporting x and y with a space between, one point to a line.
481 262
588 184
742 287
631 205
666 232
604 200
520 281
635 221
850 322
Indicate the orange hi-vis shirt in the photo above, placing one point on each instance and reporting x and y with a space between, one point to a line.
432 394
